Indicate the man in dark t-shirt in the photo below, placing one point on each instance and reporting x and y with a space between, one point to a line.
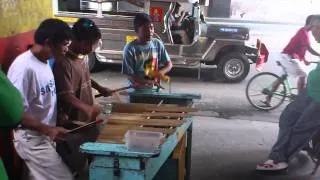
74 89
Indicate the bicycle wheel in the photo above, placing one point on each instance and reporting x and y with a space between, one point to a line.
266 86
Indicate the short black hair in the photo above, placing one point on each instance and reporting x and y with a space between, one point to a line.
178 5
86 30
141 19
309 19
54 30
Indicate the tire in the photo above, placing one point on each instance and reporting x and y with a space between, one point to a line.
265 79
93 62
233 67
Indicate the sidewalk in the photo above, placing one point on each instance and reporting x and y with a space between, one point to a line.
230 149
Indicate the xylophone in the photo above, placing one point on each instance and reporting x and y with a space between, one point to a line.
112 160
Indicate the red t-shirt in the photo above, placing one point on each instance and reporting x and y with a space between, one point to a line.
298 45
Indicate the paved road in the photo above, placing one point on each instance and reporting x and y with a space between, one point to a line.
230 136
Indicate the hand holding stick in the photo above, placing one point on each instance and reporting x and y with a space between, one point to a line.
85 126
114 91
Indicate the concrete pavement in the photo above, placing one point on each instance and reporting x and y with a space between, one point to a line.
230 149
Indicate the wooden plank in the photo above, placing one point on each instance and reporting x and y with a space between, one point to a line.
148 122
172 109
116 136
139 108
111 141
162 130
135 118
128 108
150 114
115 117
166 114
111 137
111 132
144 105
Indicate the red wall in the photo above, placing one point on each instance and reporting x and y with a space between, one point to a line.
11 47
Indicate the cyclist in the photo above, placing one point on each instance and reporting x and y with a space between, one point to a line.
293 54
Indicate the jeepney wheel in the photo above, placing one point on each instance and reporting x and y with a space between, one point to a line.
233 67
92 62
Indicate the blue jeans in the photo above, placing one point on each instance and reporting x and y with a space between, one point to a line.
298 122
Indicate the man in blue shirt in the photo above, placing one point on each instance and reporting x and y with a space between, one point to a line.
143 53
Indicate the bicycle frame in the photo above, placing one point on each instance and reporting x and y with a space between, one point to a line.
272 90
289 88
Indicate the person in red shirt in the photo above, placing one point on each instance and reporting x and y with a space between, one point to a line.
293 54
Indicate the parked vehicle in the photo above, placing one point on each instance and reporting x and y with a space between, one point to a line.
223 46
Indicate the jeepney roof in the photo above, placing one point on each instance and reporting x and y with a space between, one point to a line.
182 1
141 1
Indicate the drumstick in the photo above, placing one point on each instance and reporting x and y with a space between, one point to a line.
86 125
116 95
114 91
158 105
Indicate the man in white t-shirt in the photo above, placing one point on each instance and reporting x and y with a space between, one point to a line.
31 74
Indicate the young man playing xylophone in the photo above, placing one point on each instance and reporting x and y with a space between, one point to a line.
143 53
74 89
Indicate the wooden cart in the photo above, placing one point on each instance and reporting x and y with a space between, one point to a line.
113 161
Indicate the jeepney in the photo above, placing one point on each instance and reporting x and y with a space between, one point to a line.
222 46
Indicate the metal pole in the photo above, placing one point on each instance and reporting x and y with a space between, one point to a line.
99 10
199 71
147 7
189 151
117 4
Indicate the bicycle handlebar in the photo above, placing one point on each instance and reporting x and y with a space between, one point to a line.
314 62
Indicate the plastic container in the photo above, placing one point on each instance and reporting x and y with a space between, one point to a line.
106 109
143 141
106 106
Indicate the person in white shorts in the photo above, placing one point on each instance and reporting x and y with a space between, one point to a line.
293 54
31 74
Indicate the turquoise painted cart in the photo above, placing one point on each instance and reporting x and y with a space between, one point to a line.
115 162
171 162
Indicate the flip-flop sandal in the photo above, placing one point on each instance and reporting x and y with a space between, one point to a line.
271 165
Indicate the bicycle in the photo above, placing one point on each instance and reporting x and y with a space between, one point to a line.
279 88
273 87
